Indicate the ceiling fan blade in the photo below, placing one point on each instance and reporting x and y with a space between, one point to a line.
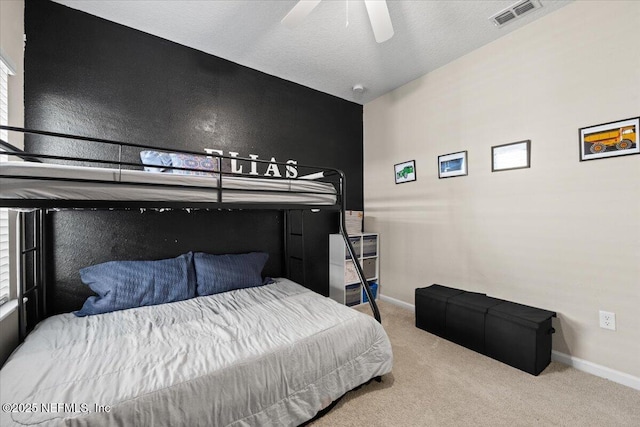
380 19
299 12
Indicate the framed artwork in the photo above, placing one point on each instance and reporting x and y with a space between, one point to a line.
516 155
609 139
454 164
405 172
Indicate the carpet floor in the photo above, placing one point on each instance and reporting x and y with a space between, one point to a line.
437 383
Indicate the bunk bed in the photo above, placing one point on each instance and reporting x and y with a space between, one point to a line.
276 354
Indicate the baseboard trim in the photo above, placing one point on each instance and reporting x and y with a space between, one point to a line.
556 356
595 369
397 302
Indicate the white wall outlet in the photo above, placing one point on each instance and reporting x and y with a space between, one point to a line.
607 320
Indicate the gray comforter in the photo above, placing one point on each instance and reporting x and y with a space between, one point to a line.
272 355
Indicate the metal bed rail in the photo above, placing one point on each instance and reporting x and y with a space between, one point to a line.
321 174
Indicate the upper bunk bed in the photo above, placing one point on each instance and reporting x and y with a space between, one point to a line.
198 181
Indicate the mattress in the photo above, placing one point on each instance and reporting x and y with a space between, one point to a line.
46 181
272 355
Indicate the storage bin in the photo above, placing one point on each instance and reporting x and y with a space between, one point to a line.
355 242
352 294
519 335
353 221
374 291
465 319
350 272
369 245
369 268
431 306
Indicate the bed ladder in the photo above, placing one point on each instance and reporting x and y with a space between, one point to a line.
347 242
294 246
356 263
31 243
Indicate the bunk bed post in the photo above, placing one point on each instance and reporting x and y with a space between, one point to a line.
119 162
21 237
356 261
31 286
219 186
285 243
42 259
294 246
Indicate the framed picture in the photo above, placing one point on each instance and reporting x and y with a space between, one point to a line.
405 172
454 164
516 155
609 139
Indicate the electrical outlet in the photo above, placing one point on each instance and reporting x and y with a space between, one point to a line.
607 320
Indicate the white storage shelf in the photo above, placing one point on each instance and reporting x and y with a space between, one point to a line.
344 284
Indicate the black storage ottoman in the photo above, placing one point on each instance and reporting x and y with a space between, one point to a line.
465 319
431 306
520 336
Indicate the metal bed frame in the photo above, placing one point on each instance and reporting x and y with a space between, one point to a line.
32 245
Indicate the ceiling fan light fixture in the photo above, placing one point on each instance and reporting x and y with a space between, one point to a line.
380 20
299 12
376 9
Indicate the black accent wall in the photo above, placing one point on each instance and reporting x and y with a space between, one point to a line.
84 238
88 76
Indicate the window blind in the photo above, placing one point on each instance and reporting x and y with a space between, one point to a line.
4 213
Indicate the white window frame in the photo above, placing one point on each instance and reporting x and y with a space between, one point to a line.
6 70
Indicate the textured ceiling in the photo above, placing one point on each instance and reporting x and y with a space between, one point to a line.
322 53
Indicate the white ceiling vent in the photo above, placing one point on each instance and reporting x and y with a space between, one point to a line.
514 11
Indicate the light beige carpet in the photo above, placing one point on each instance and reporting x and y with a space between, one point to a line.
437 383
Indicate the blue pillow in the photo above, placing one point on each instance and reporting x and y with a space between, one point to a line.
128 284
222 273
155 158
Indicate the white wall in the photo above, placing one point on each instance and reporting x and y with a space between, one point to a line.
563 235
11 41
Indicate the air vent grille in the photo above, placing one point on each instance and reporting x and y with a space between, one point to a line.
505 17
523 8
514 11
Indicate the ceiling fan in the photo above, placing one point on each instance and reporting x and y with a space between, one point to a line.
376 9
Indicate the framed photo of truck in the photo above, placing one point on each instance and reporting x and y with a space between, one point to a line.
405 171
609 139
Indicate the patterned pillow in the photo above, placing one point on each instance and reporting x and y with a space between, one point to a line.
128 284
222 273
156 158
193 161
